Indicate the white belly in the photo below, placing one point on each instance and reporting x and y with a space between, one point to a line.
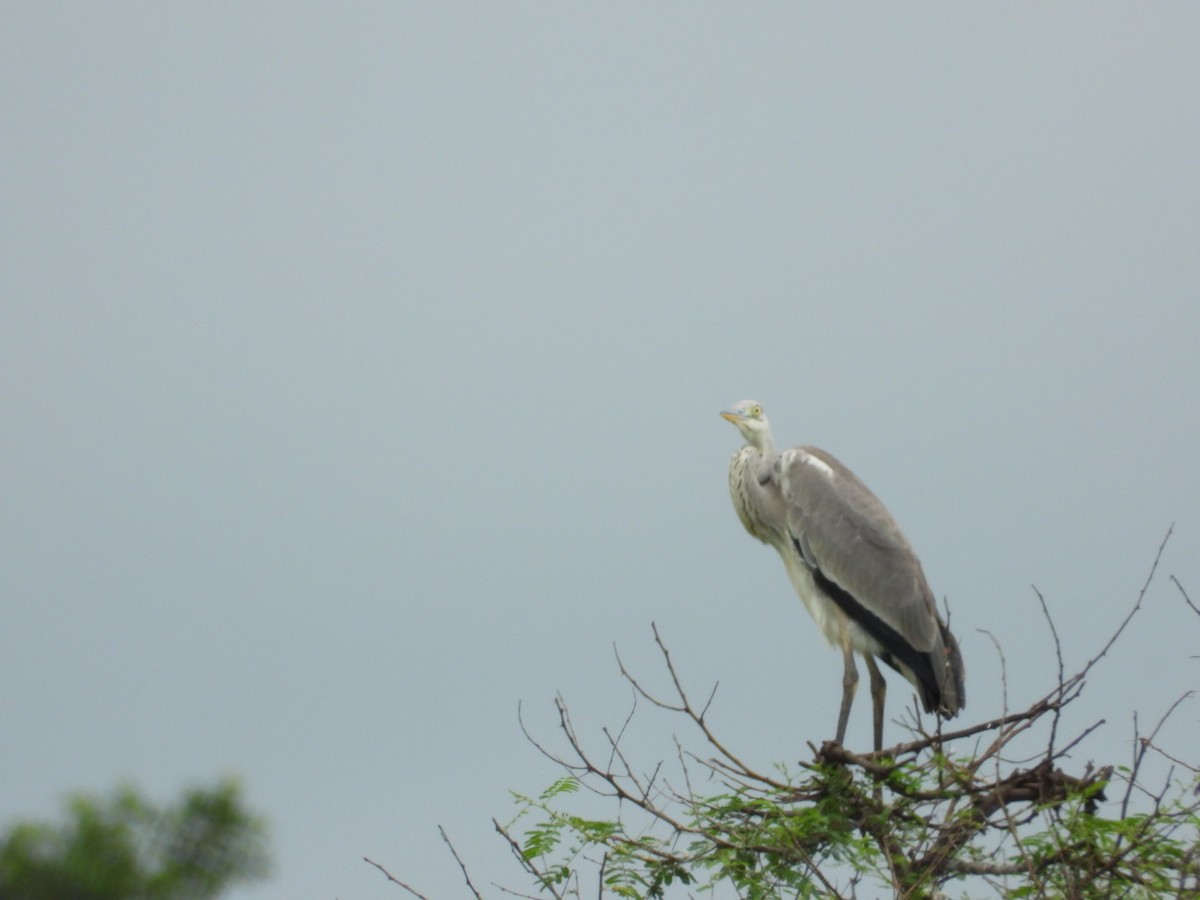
828 616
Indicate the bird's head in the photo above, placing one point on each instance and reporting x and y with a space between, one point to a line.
751 421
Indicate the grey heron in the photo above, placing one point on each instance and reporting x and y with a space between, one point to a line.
849 562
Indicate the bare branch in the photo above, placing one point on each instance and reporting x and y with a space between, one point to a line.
393 879
1136 607
537 746
458 860
1142 745
1061 668
624 725
1186 598
685 706
525 863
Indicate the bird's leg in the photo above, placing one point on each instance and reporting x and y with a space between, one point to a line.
849 685
878 693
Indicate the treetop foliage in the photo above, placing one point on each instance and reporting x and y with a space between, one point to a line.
965 813
122 847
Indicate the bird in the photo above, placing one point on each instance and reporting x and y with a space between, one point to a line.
853 568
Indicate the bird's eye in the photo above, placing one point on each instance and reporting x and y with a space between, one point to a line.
756 411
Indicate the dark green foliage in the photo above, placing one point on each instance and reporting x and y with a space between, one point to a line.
124 848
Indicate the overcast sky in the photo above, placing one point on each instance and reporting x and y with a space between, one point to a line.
360 367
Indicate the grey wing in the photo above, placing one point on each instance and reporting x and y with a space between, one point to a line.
845 534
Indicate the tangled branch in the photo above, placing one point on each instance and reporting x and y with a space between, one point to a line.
935 808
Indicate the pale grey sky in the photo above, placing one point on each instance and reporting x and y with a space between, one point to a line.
360 367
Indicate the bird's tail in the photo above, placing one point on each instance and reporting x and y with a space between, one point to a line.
950 674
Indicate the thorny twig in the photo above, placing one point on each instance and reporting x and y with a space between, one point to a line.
527 864
393 879
1061 667
685 705
1142 745
1133 612
1186 598
458 859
